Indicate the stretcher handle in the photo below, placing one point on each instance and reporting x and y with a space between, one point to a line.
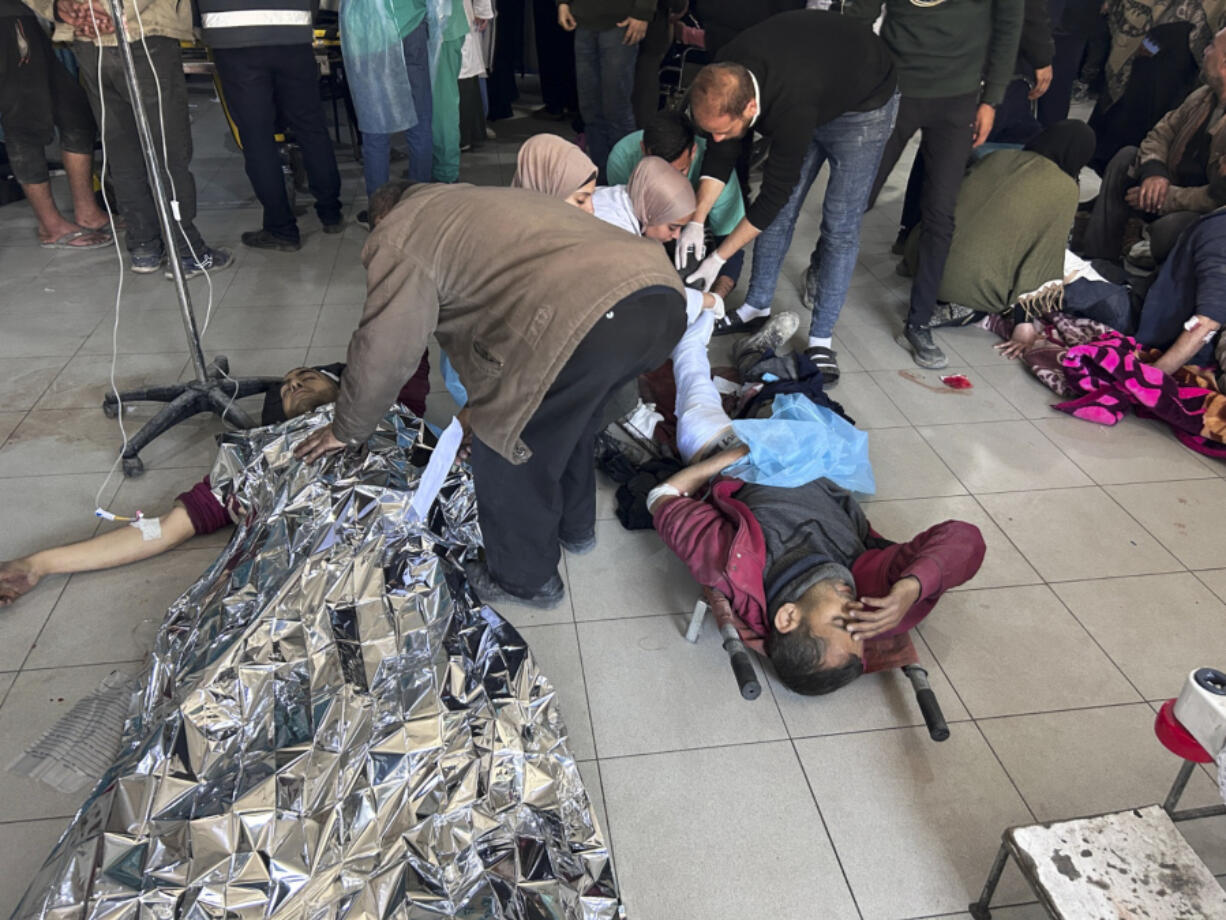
742 663
931 709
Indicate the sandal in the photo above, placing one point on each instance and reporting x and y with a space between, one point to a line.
826 360
67 241
732 323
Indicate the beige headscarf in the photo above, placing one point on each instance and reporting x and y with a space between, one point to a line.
548 164
659 194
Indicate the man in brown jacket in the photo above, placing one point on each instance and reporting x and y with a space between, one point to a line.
1168 179
544 311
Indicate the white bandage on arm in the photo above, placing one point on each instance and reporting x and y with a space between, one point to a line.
150 528
663 490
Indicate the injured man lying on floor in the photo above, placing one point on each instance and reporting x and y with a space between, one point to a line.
330 722
197 511
803 569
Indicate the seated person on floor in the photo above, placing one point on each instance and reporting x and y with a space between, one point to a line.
196 511
670 136
1012 221
555 167
802 568
1171 179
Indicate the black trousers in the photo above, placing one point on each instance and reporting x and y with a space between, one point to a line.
1105 232
555 58
653 47
261 84
125 160
947 135
525 508
37 96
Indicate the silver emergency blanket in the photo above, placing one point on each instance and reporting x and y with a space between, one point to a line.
331 726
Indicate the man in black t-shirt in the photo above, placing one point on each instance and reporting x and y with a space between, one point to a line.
819 87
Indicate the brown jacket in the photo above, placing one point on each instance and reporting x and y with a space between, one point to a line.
508 280
1166 142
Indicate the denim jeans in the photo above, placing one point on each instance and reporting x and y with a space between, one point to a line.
377 148
852 143
604 76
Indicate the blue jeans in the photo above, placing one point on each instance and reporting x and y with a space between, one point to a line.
377 148
604 76
852 143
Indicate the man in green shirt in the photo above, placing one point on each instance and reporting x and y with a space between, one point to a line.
448 26
670 136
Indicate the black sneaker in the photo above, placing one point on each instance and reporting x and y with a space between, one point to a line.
580 547
264 239
923 349
488 591
335 226
210 260
147 261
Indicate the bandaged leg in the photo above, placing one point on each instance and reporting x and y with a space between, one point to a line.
701 420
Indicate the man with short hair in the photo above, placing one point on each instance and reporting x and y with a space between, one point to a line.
544 313
670 136
812 583
1173 177
267 67
955 59
820 87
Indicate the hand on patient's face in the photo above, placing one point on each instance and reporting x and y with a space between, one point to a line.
879 615
16 578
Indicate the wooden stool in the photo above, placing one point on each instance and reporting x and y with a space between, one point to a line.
1128 864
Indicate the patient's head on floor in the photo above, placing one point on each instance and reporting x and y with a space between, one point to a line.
809 645
307 388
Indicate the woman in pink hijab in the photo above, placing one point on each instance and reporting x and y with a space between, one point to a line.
553 166
655 203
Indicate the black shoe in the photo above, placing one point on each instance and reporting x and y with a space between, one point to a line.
336 226
263 239
207 260
827 362
363 218
923 349
733 323
488 591
581 546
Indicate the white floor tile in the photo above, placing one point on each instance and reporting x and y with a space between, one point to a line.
1002 565
721 834
651 691
925 400
1003 457
1022 389
24 847
1216 580
1071 533
41 511
866 402
1133 620
336 324
86 379
36 701
8 424
916 824
1135 450
1014 650
629 574
24 380
904 466
556 650
1186 516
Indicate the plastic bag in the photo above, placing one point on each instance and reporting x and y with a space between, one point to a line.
801 442
375 67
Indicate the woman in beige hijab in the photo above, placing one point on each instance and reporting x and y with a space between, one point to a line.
656 203
552 166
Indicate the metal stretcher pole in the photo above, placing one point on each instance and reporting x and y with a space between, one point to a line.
933 717
742 663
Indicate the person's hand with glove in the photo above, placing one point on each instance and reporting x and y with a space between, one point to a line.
707 272
692 236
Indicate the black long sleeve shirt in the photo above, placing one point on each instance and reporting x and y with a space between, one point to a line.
811 67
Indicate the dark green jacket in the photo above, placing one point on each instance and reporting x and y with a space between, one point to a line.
943 48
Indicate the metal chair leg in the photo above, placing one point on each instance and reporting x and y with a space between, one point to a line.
979 909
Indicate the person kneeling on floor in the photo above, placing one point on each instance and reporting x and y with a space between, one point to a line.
804 571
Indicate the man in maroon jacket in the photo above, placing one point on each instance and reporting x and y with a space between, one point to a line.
819 589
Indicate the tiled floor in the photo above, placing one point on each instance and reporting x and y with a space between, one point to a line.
1105 582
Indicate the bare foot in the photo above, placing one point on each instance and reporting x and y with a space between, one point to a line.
93 220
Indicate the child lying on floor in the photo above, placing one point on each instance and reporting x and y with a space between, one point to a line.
803 569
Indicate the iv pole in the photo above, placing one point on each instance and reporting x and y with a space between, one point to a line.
213 390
